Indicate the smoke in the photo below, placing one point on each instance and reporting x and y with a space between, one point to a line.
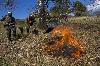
94 8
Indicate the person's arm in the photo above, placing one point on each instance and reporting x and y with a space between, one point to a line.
14 21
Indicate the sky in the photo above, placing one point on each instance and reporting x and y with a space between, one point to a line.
21 11
94 8
21 8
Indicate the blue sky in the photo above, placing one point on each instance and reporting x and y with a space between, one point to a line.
21 10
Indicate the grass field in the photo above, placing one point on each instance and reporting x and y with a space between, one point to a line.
27 51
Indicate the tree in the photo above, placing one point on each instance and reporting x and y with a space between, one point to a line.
42 4
8 4
42 14
60 7
79 8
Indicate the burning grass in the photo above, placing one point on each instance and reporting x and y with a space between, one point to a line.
65 44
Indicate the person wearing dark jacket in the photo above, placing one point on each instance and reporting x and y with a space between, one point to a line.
30 21
9 25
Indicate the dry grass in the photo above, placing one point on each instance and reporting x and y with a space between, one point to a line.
28 52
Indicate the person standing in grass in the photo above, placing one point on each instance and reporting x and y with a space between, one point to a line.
30 21
9 25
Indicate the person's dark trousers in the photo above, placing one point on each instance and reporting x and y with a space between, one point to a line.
14 32
21 30
11 30
8 31
27 29
9 34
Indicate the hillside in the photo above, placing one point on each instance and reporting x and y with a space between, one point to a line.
27 50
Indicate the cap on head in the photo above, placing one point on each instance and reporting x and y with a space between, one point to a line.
9 13
31 15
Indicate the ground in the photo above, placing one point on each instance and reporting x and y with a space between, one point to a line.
27 50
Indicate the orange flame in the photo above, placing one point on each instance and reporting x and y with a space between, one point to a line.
67 38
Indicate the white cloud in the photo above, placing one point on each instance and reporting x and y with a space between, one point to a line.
94 8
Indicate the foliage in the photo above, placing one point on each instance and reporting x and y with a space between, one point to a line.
78 6
60 7
8 4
